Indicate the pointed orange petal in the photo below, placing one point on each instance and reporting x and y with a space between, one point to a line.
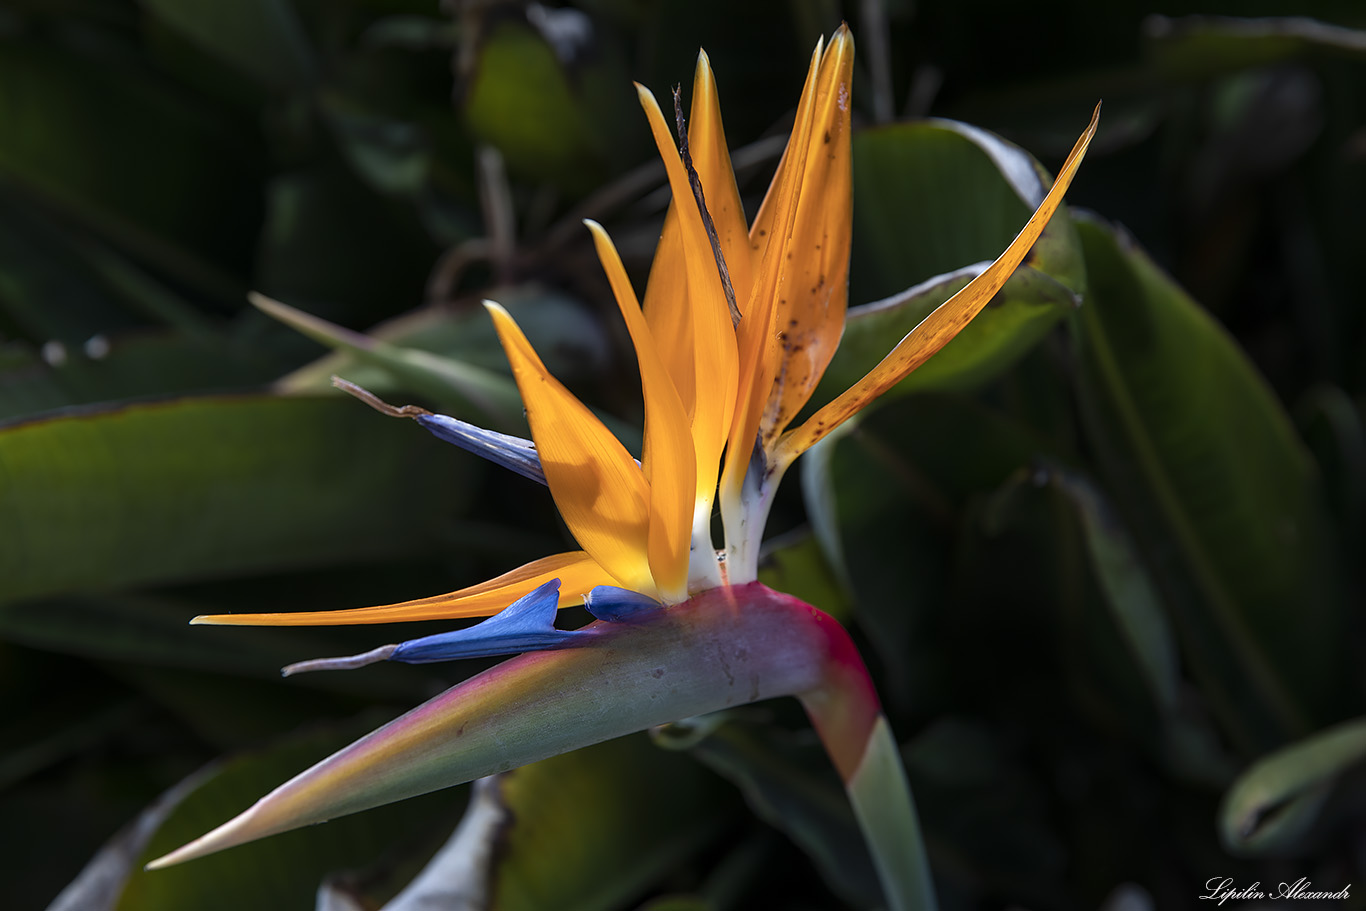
756 330
814 288
939 328
598 488
668 459
712 334
666 296
711 159
667 312
578 574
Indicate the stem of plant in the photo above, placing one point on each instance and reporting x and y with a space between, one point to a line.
849 719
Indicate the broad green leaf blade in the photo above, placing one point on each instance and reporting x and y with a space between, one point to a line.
883 498
1139 614
399 355
285 872
1028 306
54 727
49 292
160 165
931 198
147 631
1221 493
444 379
934 203
984 805
793 788
796 565
392 156
1197 47
333 246
102 881
212 487
588 830
522 99
134 366
1129 590
678 903
262 38
565 335
594 828
1334 428
1275 803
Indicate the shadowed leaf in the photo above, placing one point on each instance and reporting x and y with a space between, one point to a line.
221 486
1218 489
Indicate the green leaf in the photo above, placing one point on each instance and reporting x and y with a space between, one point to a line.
932 198
1139 614
1029 305
392 156
284 871
1335 430
587 830
443 379
884 499
1129 590
549 123
60 727
798 566
565 335
132 366
678 903
155 632
934 204
262 38
983 805
1197 47
47 293
792 787
593 828
1275 803
212 487
335 247
161 163
1219 490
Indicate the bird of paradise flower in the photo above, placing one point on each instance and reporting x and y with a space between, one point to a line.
738 325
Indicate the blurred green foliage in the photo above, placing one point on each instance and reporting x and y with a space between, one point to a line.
1103 553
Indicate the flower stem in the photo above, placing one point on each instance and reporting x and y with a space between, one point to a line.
886 812
849 720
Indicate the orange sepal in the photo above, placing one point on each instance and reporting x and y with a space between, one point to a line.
598 488
814 287
667 458
712 334
940 327
758 351
578 574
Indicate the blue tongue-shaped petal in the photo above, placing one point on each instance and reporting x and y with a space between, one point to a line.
503 449
607 602
525 625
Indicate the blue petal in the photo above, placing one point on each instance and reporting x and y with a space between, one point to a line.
525 625
506 450
607 602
